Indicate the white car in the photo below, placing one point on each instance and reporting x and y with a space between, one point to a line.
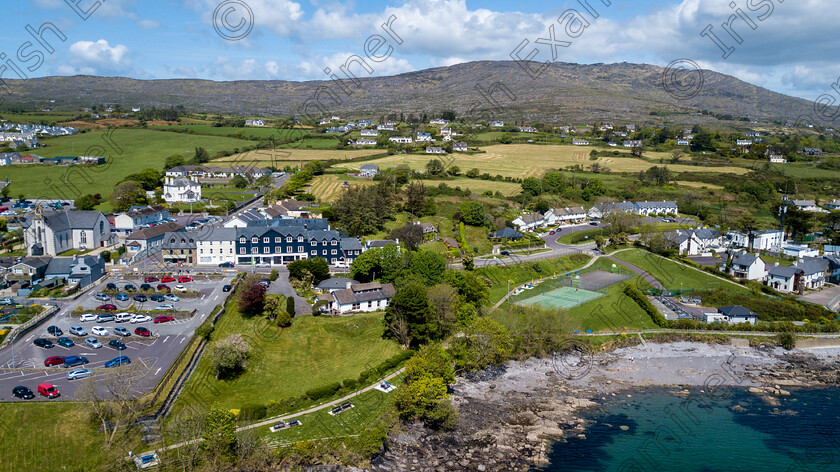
141 318
87 317
121 317
165 307
180 288
78 374
99 331
171 297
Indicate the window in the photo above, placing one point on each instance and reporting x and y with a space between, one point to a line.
300 248
84 237
211 250
288 239
241 240
334 242
255 240
101 226
355 306
255 250
324 252
332 261
277 239
300 239
324 242
334 252
265 250
314 252
266 240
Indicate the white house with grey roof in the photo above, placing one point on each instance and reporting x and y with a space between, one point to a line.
360 298
181 190
49 233
217 247
369 170
651 208
785 278
565 215
747 266
529 221
814 271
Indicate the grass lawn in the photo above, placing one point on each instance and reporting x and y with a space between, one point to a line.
674 276
313 143
526 272
294 156
612 312
37 117
532 160
285 363
580 237
771 260
27 429
251 132
138 149
226 194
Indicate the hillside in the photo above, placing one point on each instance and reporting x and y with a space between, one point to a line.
564 92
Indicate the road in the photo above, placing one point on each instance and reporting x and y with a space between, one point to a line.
22 363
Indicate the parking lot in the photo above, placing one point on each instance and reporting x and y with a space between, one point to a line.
23 362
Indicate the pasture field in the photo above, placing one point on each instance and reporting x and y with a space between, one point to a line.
133 151
674 276
312 143
37 117
294 156
248 131
526 160
328 187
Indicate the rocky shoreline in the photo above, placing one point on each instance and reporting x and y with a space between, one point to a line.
510 417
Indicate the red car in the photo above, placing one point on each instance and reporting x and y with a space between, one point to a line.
168 278
151 278
54 360
107 307
184 278
163 319
163 287
141 331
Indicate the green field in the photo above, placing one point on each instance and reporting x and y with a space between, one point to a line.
522 273
674 276
312 143
285 363
251 132
613 312
132 150
37 117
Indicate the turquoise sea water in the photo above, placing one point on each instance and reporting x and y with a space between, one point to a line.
730 431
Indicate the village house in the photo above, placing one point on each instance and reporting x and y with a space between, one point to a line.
435 150
684 242
497 124
764 240
179 248
289 208
139 216
529 221
747 266
368 170
360 298
505 233
527 129
734 314
815 271
149 240
785 278
634 143
385 127
580 142
217 247
832 205
181 190
335 283
806 205
565 216
401 139
654 208
683 142
370 132
362 142
78 271
439 121
254 123
459 147
424 137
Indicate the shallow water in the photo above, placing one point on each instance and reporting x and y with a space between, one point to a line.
732 431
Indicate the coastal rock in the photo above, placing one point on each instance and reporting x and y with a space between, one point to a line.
624 427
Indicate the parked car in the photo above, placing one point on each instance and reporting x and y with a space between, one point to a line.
74 361
105 318
111 286
116 344
142 331
226 264
122 317
184 279
77 374
593 223
77 330
44 343
162 287
157 298
226 288
107 307
130 288
165 307
151 278
551 232
504 253
163 319
120 331
87 317
118 361
102 297
140 318
145 288
99 331
55 331
24 393
54 360
48 390
180 288
7 301
168 279
122 297
93 343
171 297
65 342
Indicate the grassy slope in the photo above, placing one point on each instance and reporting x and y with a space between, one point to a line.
265 132
138 149
315 351
674 276
521 273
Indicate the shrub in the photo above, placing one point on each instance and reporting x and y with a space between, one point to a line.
324 391
787 340
273 275
645 304
253 412
349 384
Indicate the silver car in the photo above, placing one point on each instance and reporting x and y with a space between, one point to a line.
78 330
93 342
78 374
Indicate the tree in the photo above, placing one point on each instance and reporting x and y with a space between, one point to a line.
532 186
454 170
417 399
229 356
485 342
415 198
149 179
239 181
410 235
85 202
435 167
317 267
409 317
251 298
444 299
429 266
5 191
472 213
290 306
363 210
541 207
174 160
473 173
127 195
470 288
273 306
383 262
201 156
220 433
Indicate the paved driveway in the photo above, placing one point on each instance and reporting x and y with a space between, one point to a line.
281 286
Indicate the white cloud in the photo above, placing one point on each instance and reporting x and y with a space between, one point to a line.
314 69
99 55
280 16
148 24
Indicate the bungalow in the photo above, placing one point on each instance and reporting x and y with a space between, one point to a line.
369 170
565 215
439 121
370 132
254 123
630 128
424 137
385 128
435 150
529 221
362 298
459 147
380 243
497 124
507 233
738 314
812 152
139 216
777 159
743 142
76 270
427 228
832 205
580 142
747 266
633 143
784 278
683 142
362 142
335 283
401 139
527 129
805 205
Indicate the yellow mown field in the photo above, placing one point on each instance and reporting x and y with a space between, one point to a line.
524 160
327 187
292 156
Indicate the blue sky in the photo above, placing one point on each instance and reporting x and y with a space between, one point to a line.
793 47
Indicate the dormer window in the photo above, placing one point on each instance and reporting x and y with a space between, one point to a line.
255 240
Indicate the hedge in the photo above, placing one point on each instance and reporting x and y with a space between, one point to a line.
323 391
645 304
